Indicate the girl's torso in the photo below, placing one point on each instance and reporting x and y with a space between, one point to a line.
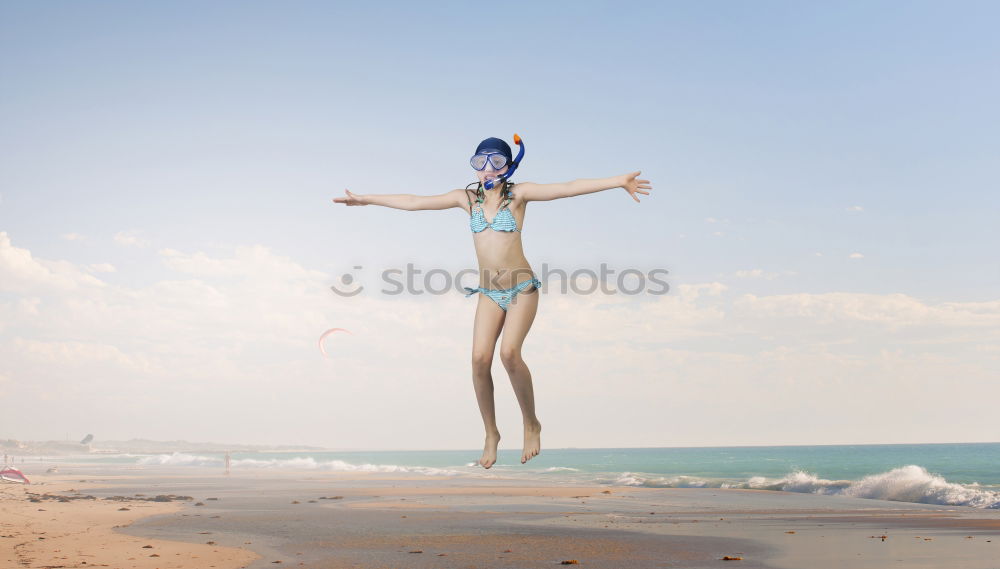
502 263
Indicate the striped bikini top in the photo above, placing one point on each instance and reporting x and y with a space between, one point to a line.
502 221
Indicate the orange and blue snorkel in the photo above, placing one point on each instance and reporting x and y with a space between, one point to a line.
490 184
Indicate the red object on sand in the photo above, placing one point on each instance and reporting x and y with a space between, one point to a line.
11 474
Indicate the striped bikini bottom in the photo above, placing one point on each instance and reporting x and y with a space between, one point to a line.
503 297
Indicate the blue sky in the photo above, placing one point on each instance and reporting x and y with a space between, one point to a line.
798 151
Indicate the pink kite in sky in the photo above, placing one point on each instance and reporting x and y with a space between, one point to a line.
327 333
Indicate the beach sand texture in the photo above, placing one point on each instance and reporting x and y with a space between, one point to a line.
54 522
330 520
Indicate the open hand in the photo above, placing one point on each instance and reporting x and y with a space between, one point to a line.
634 186
351 199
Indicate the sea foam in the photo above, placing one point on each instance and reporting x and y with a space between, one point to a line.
179 459
297 463
911 483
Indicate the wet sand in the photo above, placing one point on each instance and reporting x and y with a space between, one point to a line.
257 519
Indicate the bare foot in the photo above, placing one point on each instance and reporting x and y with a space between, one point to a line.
490 450
532 441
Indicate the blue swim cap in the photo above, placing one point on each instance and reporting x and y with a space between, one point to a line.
497 144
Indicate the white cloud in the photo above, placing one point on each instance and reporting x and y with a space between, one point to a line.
72 236
856 256
855 208
756 274
130 239
254 261
28 305
76 354
236 335
102 268
894 311
20 272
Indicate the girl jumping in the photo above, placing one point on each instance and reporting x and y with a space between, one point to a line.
508 285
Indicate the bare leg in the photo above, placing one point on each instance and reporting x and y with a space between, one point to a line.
520 315
486 330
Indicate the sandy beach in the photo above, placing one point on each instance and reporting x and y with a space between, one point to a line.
58 521
106 516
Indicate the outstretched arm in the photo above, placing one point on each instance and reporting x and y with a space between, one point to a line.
529 191
409 202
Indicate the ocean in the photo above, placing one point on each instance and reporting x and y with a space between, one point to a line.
964 474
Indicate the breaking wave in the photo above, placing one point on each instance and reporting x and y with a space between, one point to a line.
179 459
298 463
910 483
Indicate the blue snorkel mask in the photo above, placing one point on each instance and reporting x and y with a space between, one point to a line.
488 153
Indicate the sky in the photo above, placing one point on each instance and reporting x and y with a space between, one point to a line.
824 208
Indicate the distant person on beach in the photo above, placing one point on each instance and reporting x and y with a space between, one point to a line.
507 282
